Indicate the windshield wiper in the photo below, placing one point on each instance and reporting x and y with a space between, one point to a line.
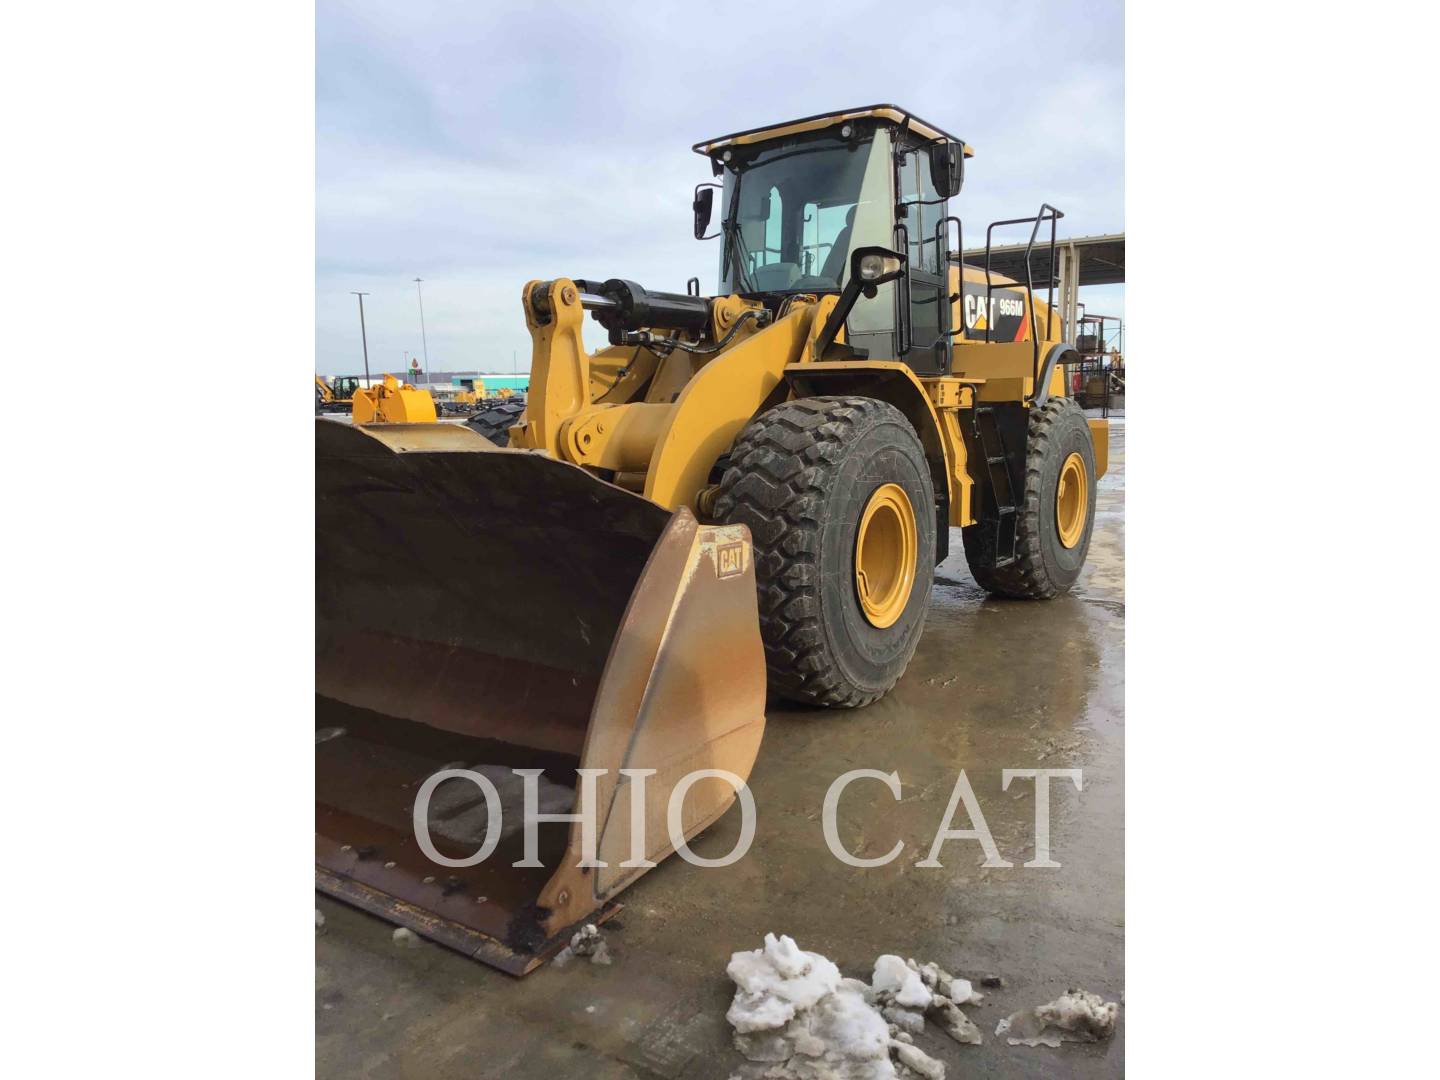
736 241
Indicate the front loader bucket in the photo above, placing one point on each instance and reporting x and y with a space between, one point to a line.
490 610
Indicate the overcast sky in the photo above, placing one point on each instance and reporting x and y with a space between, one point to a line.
480 145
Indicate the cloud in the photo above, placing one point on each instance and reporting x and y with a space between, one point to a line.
480 146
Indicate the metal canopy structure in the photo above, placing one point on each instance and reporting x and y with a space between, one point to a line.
1100 260
1082 260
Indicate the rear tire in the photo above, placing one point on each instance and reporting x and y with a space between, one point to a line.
495 423
802 476
1045 565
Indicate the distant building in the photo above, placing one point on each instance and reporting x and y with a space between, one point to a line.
506 382
453 380
445 378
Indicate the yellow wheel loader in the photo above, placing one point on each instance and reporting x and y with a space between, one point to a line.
742 491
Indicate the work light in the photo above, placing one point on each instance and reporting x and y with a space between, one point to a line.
877 267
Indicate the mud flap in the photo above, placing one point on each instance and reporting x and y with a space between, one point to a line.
496 609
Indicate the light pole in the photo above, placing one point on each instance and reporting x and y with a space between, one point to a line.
425 345
364 347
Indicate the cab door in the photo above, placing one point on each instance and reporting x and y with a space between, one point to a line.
924 315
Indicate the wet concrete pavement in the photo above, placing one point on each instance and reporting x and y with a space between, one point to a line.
995 685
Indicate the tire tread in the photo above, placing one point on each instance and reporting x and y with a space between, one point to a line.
775 485
1026 577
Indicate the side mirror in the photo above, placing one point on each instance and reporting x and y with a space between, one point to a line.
704 203
870 267
947 168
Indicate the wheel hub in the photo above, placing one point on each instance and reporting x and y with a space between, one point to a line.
1072 498
886 548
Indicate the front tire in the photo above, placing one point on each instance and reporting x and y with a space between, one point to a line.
840 612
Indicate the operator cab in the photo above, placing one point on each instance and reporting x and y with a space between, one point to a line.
798 201
345 386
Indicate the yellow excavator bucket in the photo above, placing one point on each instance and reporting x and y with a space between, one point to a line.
393 402
489 609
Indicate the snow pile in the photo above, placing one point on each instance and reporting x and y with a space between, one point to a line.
954 1022
793 1009
907 991
916 1061
1075 1016
585 942
794 1012
899 982
936 978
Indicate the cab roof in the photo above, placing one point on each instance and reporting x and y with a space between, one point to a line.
892 113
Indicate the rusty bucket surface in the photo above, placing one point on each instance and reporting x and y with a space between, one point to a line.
492 610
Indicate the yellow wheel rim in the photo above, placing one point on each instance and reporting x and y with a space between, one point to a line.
1072 500
885 554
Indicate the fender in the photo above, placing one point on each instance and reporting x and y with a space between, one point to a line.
1062 352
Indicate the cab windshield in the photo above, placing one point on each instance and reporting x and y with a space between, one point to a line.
796 210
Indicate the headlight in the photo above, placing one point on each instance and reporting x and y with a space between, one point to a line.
875 267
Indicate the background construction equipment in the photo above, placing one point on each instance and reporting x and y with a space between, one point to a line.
336 396
393 402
